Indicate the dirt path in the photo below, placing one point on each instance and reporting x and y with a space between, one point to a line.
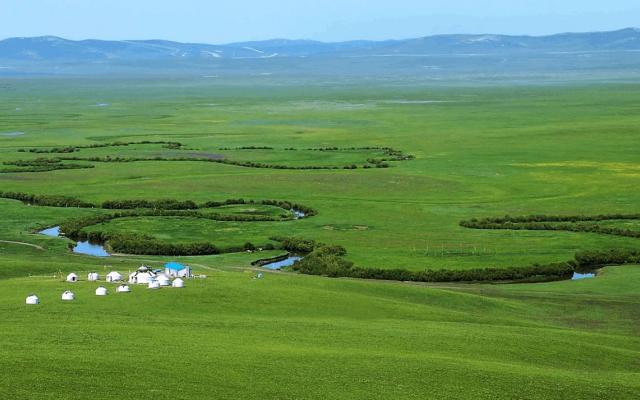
35 246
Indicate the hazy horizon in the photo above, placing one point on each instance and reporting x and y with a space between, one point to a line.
199 21
309 39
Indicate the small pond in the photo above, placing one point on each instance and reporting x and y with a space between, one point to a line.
287 262
53 232
90 249
578 276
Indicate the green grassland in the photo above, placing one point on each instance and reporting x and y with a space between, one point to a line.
188 230
479 152
231 336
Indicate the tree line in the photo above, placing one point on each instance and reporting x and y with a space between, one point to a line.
327 260
50 164
600 258
40 165
573 223
141 244
46 200
296 244
161 204
247 148
73 149
550 218
131 244
246 164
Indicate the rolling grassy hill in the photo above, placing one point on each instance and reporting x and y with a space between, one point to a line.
302 337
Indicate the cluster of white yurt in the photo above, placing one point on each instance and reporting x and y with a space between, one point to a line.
154 279
142 276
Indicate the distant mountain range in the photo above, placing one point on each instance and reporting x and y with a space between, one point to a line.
55 49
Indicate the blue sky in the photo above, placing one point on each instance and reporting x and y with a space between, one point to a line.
225 21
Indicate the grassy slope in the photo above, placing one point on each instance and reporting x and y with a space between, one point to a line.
301 337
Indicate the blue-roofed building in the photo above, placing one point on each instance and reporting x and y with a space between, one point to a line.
177 270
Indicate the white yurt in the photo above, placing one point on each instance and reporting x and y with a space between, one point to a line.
32 299
163 280
102 291
142 276
123 289
153 284
72 277
114 276
93 276
68 296
177 283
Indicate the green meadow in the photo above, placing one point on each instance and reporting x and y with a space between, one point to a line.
478 152
298 337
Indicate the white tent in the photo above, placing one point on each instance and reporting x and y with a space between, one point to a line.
114 276
93 276
177 283
153 284
142 276
68 296
32 299
163 280
101 291
72 277
123 289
